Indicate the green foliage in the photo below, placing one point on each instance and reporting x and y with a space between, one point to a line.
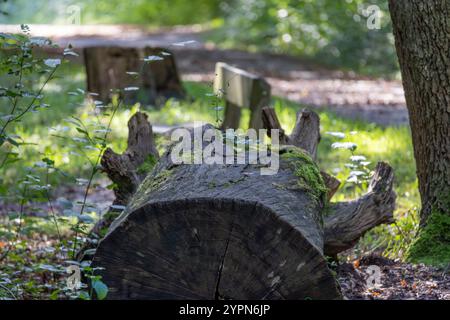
147 12
101 290
330 32
22 94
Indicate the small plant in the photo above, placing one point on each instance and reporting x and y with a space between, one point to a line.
23 98
89 143
216 100
358 164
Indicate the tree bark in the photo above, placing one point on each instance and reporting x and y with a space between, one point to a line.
422 37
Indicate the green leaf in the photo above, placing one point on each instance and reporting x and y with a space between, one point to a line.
54 294
85 218
100 289
84 295
82 131
48 267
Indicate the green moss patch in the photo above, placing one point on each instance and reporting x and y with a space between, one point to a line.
432 245
307 172
153 183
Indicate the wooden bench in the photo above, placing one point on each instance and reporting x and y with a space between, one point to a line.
241 89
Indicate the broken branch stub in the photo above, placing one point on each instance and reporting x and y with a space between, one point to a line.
348 221
123 169
270 121
306 133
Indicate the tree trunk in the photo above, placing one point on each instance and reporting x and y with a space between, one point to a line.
226 232
422 36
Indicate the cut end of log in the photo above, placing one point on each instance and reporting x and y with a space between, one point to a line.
211 249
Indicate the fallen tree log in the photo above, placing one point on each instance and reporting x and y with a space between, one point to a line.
223 231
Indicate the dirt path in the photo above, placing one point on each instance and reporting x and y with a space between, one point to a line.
373 100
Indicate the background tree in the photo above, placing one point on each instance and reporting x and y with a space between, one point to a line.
422 34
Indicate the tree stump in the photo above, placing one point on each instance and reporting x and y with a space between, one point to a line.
149 81
226 232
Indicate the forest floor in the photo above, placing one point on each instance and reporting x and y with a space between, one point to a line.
374 100
395 280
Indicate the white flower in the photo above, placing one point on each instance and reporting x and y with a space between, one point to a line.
339 135
131 89
357 158
286 37
282 13
52 63
344 145
153 58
